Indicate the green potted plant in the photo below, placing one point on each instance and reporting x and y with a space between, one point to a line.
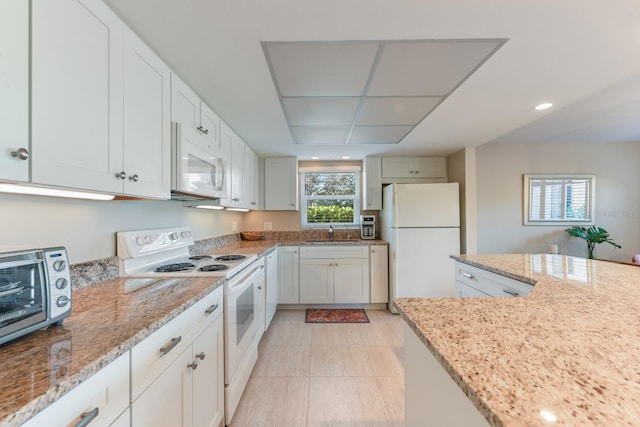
593 235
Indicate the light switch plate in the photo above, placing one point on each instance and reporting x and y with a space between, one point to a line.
234 226
268 226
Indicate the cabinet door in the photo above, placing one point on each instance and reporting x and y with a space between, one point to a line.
250 179
281 184
465 291
168 400
316 281
379 274
288 275
185 105
76 95
430 167
351 280
147 139
210 123
260 303
14 89
235 166
272 286
372 171
397 167
208 378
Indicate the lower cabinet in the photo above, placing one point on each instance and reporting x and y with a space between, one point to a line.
288 275
178 371
475 282
271 283
343 279
102 400
379 274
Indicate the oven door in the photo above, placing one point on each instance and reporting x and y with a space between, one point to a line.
196 171
240 320
22 293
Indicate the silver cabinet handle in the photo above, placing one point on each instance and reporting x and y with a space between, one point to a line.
167 348
200 129
121 174
200 355
193 365
253 203
511 292
467 275
20 153
87 417
211 309
260 287
134 177
206 131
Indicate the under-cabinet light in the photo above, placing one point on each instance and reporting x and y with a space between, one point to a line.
217 208
52 192
543 106
237 209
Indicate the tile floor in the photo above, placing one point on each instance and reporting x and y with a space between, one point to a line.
340 375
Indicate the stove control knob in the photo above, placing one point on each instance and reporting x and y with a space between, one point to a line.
186 234
173 237
148 239
59 265
62 301
140 240
61 283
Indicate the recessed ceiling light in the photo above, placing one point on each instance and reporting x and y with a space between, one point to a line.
345 157
544 106
314 157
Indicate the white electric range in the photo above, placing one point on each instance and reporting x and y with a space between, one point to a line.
148 255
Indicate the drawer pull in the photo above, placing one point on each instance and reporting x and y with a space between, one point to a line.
167 348
87 417
511 292
467 275
211 309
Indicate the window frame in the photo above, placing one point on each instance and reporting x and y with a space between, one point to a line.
356 170
527 198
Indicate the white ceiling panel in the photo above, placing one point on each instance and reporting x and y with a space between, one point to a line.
428 67
321 69
336 135
378 134
396 110
321 111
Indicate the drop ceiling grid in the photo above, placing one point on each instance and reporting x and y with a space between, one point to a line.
323 89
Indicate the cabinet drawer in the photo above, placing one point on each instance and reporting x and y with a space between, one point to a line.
334 252
490 283
156 352
104 395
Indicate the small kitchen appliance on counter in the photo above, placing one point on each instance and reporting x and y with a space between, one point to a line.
35 290
367 227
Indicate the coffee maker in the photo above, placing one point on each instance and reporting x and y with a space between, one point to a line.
367 227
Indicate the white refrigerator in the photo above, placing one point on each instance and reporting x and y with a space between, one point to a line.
421 222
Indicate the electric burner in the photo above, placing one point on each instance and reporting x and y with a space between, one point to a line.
213 267
169 268
230 257
199 257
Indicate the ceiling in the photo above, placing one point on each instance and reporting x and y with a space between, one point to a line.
582 56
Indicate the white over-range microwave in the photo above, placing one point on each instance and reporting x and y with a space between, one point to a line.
196 173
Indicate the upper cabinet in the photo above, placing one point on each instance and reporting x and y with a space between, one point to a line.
414 167
198 121
250 181
242 166
100 103
14 90
281 184
372 172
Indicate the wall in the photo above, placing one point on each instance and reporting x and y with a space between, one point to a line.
461 168
87 228
500 169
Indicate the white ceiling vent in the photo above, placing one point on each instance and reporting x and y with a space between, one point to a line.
368 92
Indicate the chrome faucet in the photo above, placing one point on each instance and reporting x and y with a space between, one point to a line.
348 232
330 231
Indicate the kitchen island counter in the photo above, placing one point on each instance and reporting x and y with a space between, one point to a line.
568 352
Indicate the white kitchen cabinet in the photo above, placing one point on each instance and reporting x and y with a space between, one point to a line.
147 127
414 167
281 184
288 275
372 174
250 179
14 90
198 120
472 281
103 397
77 97
177 373
379 273
334 274
260 296
271 283
233 147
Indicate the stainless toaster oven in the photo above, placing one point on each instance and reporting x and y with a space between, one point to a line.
35 290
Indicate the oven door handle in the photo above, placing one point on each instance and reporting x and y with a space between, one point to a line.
240 281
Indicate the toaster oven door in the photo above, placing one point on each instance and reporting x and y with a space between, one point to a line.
22 293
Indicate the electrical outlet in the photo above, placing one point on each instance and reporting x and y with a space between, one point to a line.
268 226
234 226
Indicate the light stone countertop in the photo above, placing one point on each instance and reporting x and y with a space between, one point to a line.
571 348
